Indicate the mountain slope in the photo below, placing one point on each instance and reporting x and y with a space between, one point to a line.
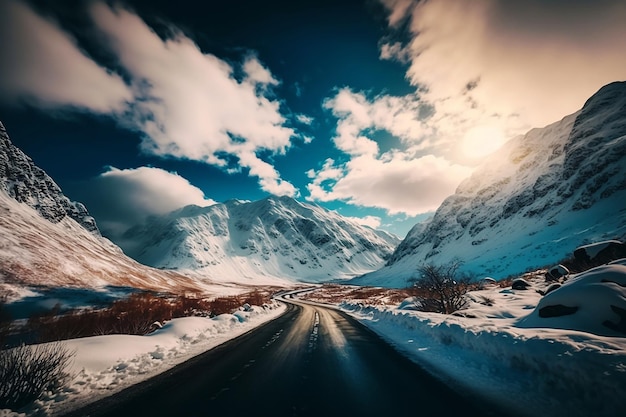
48 240
276 237
532 202
24 181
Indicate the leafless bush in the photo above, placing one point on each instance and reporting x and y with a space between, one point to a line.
224 305
256 298
27 371
441 288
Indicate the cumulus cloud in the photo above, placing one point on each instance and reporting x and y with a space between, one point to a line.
42 65
395 182
122 198
408 178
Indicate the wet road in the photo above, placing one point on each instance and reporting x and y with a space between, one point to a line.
312 361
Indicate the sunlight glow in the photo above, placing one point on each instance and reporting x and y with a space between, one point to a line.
480 141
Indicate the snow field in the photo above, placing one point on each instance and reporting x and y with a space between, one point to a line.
104 365
526 371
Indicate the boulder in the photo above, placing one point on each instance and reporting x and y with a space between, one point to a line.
520 284
600 253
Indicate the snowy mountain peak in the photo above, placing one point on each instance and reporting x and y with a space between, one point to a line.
274 237
24 181
532 202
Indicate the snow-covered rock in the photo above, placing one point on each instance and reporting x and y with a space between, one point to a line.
600 252
593 301
532 202
248 241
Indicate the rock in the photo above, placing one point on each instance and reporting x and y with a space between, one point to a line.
520 284
556 272
556 311
600 252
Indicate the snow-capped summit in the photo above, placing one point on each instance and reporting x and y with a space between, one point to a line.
532 202
24 181
275 237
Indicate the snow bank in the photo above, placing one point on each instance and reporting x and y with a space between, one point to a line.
528 371
104 365
593 301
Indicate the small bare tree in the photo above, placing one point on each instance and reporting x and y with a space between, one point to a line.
442 287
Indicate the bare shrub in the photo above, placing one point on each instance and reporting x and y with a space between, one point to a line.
27 371
256 298
190 306
441 288
224 305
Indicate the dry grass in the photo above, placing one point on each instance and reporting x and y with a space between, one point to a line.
335 294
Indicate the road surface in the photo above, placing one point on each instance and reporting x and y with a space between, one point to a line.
311 361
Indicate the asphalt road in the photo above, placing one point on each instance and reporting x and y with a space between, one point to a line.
311 361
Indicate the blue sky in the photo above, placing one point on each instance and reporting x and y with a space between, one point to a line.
376 109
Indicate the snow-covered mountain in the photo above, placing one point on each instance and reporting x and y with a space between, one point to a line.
532 202
24 181
48 240
275 237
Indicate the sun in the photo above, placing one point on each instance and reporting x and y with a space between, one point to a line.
480 141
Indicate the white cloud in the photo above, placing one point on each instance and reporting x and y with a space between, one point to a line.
121 198
404 117
190 104
304 119
370 221
257 73
394 50
395 182
408 178
40 64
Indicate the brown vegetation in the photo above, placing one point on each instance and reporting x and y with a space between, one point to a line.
335 294
137 315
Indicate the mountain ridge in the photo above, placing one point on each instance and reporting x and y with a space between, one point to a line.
275 236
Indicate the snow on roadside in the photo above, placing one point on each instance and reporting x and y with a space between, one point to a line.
528 371
104 365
